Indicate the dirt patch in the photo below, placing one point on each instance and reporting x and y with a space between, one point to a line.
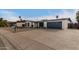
2 46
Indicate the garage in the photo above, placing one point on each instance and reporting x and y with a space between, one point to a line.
54 25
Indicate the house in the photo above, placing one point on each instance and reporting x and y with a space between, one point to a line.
61 23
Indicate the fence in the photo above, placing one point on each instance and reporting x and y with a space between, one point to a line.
73 25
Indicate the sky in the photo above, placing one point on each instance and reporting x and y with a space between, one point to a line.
37 14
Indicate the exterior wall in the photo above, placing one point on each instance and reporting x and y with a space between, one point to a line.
30 24
65 24
38 25
35 25
45 24
19 24
27 24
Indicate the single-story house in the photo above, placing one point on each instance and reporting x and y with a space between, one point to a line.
61 23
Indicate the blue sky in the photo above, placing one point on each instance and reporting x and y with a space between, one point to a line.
36 14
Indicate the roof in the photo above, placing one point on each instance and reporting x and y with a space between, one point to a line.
11 22
43 20
21 21
58 19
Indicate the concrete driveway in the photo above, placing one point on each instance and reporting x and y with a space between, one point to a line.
41 39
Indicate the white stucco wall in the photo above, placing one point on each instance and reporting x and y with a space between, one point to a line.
30 24
45 24
19 24
35 25
38 25
27 24
65 24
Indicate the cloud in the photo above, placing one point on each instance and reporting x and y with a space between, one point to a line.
64 13
8 15
68 14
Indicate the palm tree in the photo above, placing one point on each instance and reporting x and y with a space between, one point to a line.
1 19
20 18
57 16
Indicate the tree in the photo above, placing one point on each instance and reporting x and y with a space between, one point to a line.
20 18
77 16
3 23
57 16
1 19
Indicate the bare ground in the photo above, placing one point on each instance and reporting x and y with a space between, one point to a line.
41 39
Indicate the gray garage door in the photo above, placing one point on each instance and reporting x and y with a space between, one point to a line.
54 25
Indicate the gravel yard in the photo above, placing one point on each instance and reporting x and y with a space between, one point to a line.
42 39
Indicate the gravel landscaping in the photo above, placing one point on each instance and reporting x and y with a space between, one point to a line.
43 39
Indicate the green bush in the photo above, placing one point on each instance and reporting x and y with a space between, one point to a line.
3 23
